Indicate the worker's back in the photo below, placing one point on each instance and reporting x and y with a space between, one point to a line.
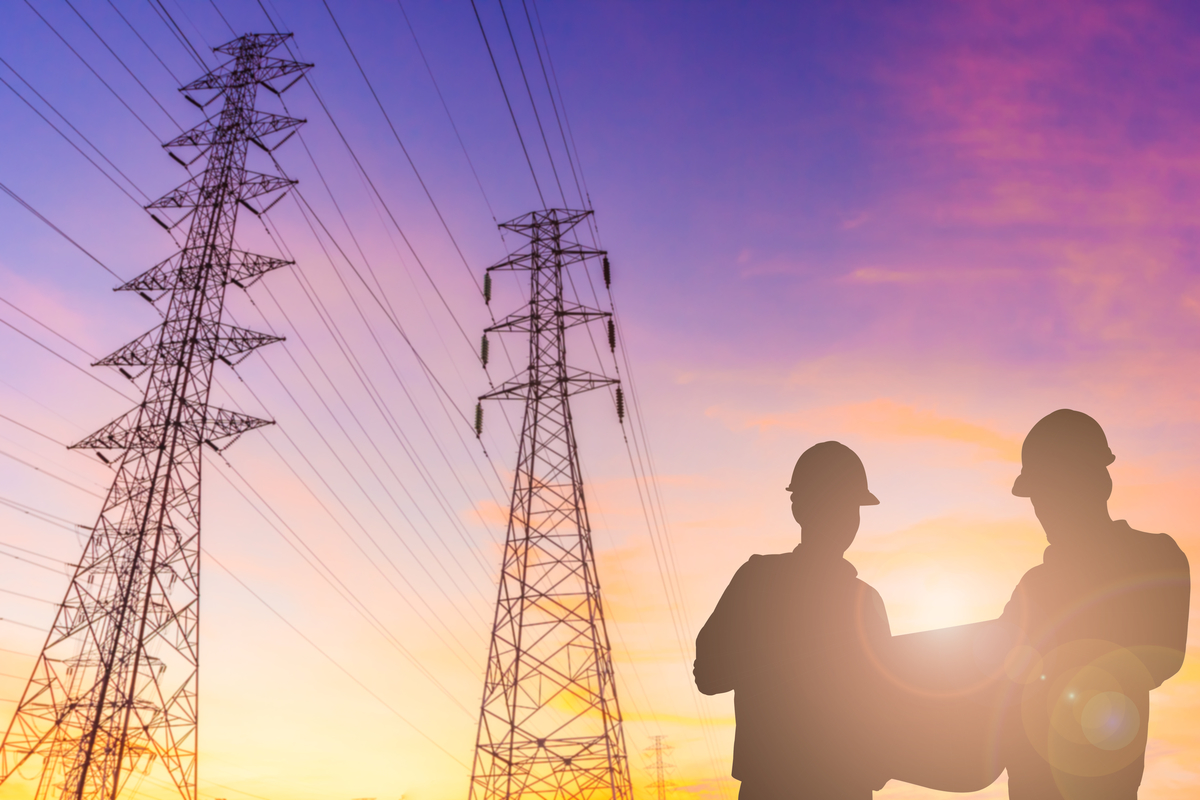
794 637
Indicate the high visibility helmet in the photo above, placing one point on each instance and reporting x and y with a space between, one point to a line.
830 469
1062 444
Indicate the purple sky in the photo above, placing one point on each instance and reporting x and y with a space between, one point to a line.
913 227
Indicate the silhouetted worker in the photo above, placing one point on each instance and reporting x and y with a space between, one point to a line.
792 638
1106 616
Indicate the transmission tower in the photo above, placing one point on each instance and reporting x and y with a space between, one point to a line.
114 690
659 750
550 724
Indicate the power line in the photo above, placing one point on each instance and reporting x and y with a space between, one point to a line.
445 106
153 52
277 614
337 664
56 229
51 330
533 104
326 573
64 359
93 71
123 64
31 430
77 133
26 597
165 17
511 113
48 474
403 149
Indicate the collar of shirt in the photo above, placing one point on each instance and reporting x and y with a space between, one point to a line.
833 566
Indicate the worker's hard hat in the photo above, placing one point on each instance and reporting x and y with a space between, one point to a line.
1062 444
831 469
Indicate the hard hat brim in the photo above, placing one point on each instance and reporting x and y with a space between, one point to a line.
865 499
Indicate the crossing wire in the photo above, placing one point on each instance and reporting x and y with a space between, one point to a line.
153 52
518 132
326 573
532 103
92 374
435 616
371 469
165 17
17 198
445 106
388 417
73 128
132 74
654 509
360 371
366 175
412 164
407 155
106 84
208 555
508 102
335 662
381 298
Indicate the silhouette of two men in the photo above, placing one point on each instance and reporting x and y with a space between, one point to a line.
824 712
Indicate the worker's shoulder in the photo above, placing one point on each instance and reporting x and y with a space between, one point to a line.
866 588
763 564
869 598
1159 549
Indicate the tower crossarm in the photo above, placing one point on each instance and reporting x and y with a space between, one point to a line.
182 270
261 126
227 76
169 345
526 261
239 72
528 320
546 223
576 381
137 430
196 192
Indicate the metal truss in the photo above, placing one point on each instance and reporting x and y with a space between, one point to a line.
114 692
550 725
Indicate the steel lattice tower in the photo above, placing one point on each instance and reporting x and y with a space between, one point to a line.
114 690
550 726
659 750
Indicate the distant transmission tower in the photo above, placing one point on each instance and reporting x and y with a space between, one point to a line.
659 750
115 688
550 725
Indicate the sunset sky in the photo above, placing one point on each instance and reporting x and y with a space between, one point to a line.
915 228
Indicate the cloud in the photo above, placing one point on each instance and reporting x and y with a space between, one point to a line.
874 275
884 418
855 221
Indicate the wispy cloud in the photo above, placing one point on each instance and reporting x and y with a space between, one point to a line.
884 418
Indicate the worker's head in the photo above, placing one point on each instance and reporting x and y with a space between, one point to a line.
828 486
1064 472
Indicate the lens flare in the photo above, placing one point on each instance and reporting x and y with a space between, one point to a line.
1110 720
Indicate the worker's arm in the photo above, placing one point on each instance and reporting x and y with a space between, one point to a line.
719 651
1165 631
